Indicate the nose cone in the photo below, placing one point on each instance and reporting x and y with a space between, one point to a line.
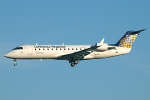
8 55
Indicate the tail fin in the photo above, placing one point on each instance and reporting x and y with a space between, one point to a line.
128 39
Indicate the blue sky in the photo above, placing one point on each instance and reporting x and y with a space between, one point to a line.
125 77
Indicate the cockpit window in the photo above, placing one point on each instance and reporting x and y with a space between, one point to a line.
18 48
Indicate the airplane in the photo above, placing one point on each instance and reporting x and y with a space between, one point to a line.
75 53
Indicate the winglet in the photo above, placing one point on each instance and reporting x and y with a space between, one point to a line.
101 43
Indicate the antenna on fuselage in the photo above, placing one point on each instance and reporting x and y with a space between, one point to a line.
63 44
36 44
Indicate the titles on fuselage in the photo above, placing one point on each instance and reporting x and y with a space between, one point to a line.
49 46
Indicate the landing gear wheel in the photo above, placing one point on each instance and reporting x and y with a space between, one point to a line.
15 62
72 64
76 62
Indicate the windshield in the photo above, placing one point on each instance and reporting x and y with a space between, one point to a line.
18 48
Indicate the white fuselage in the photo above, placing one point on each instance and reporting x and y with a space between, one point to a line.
75 53
55 51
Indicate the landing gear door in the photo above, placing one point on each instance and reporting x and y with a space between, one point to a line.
29 49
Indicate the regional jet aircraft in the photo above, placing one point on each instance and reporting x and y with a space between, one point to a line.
75 53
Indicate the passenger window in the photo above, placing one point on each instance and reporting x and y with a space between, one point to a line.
35 49
39 48
68 49
43 49
52 48
47 48
72 49
76 49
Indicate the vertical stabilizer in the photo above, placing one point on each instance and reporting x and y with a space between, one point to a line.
128 39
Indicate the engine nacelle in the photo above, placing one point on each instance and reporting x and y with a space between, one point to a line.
103 47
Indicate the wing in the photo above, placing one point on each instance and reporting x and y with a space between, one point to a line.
77 55
80 54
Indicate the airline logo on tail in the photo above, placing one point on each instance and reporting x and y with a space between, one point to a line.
128 39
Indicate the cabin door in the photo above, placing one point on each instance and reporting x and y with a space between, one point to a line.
29 49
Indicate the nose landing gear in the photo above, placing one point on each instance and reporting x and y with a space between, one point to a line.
15 62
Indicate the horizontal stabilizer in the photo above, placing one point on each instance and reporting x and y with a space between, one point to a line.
137 32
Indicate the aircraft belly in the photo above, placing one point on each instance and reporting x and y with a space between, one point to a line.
37 55
45 55
106 54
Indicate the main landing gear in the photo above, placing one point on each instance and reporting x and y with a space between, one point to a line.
74 63
15 62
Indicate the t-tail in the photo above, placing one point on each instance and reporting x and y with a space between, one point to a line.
128 39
